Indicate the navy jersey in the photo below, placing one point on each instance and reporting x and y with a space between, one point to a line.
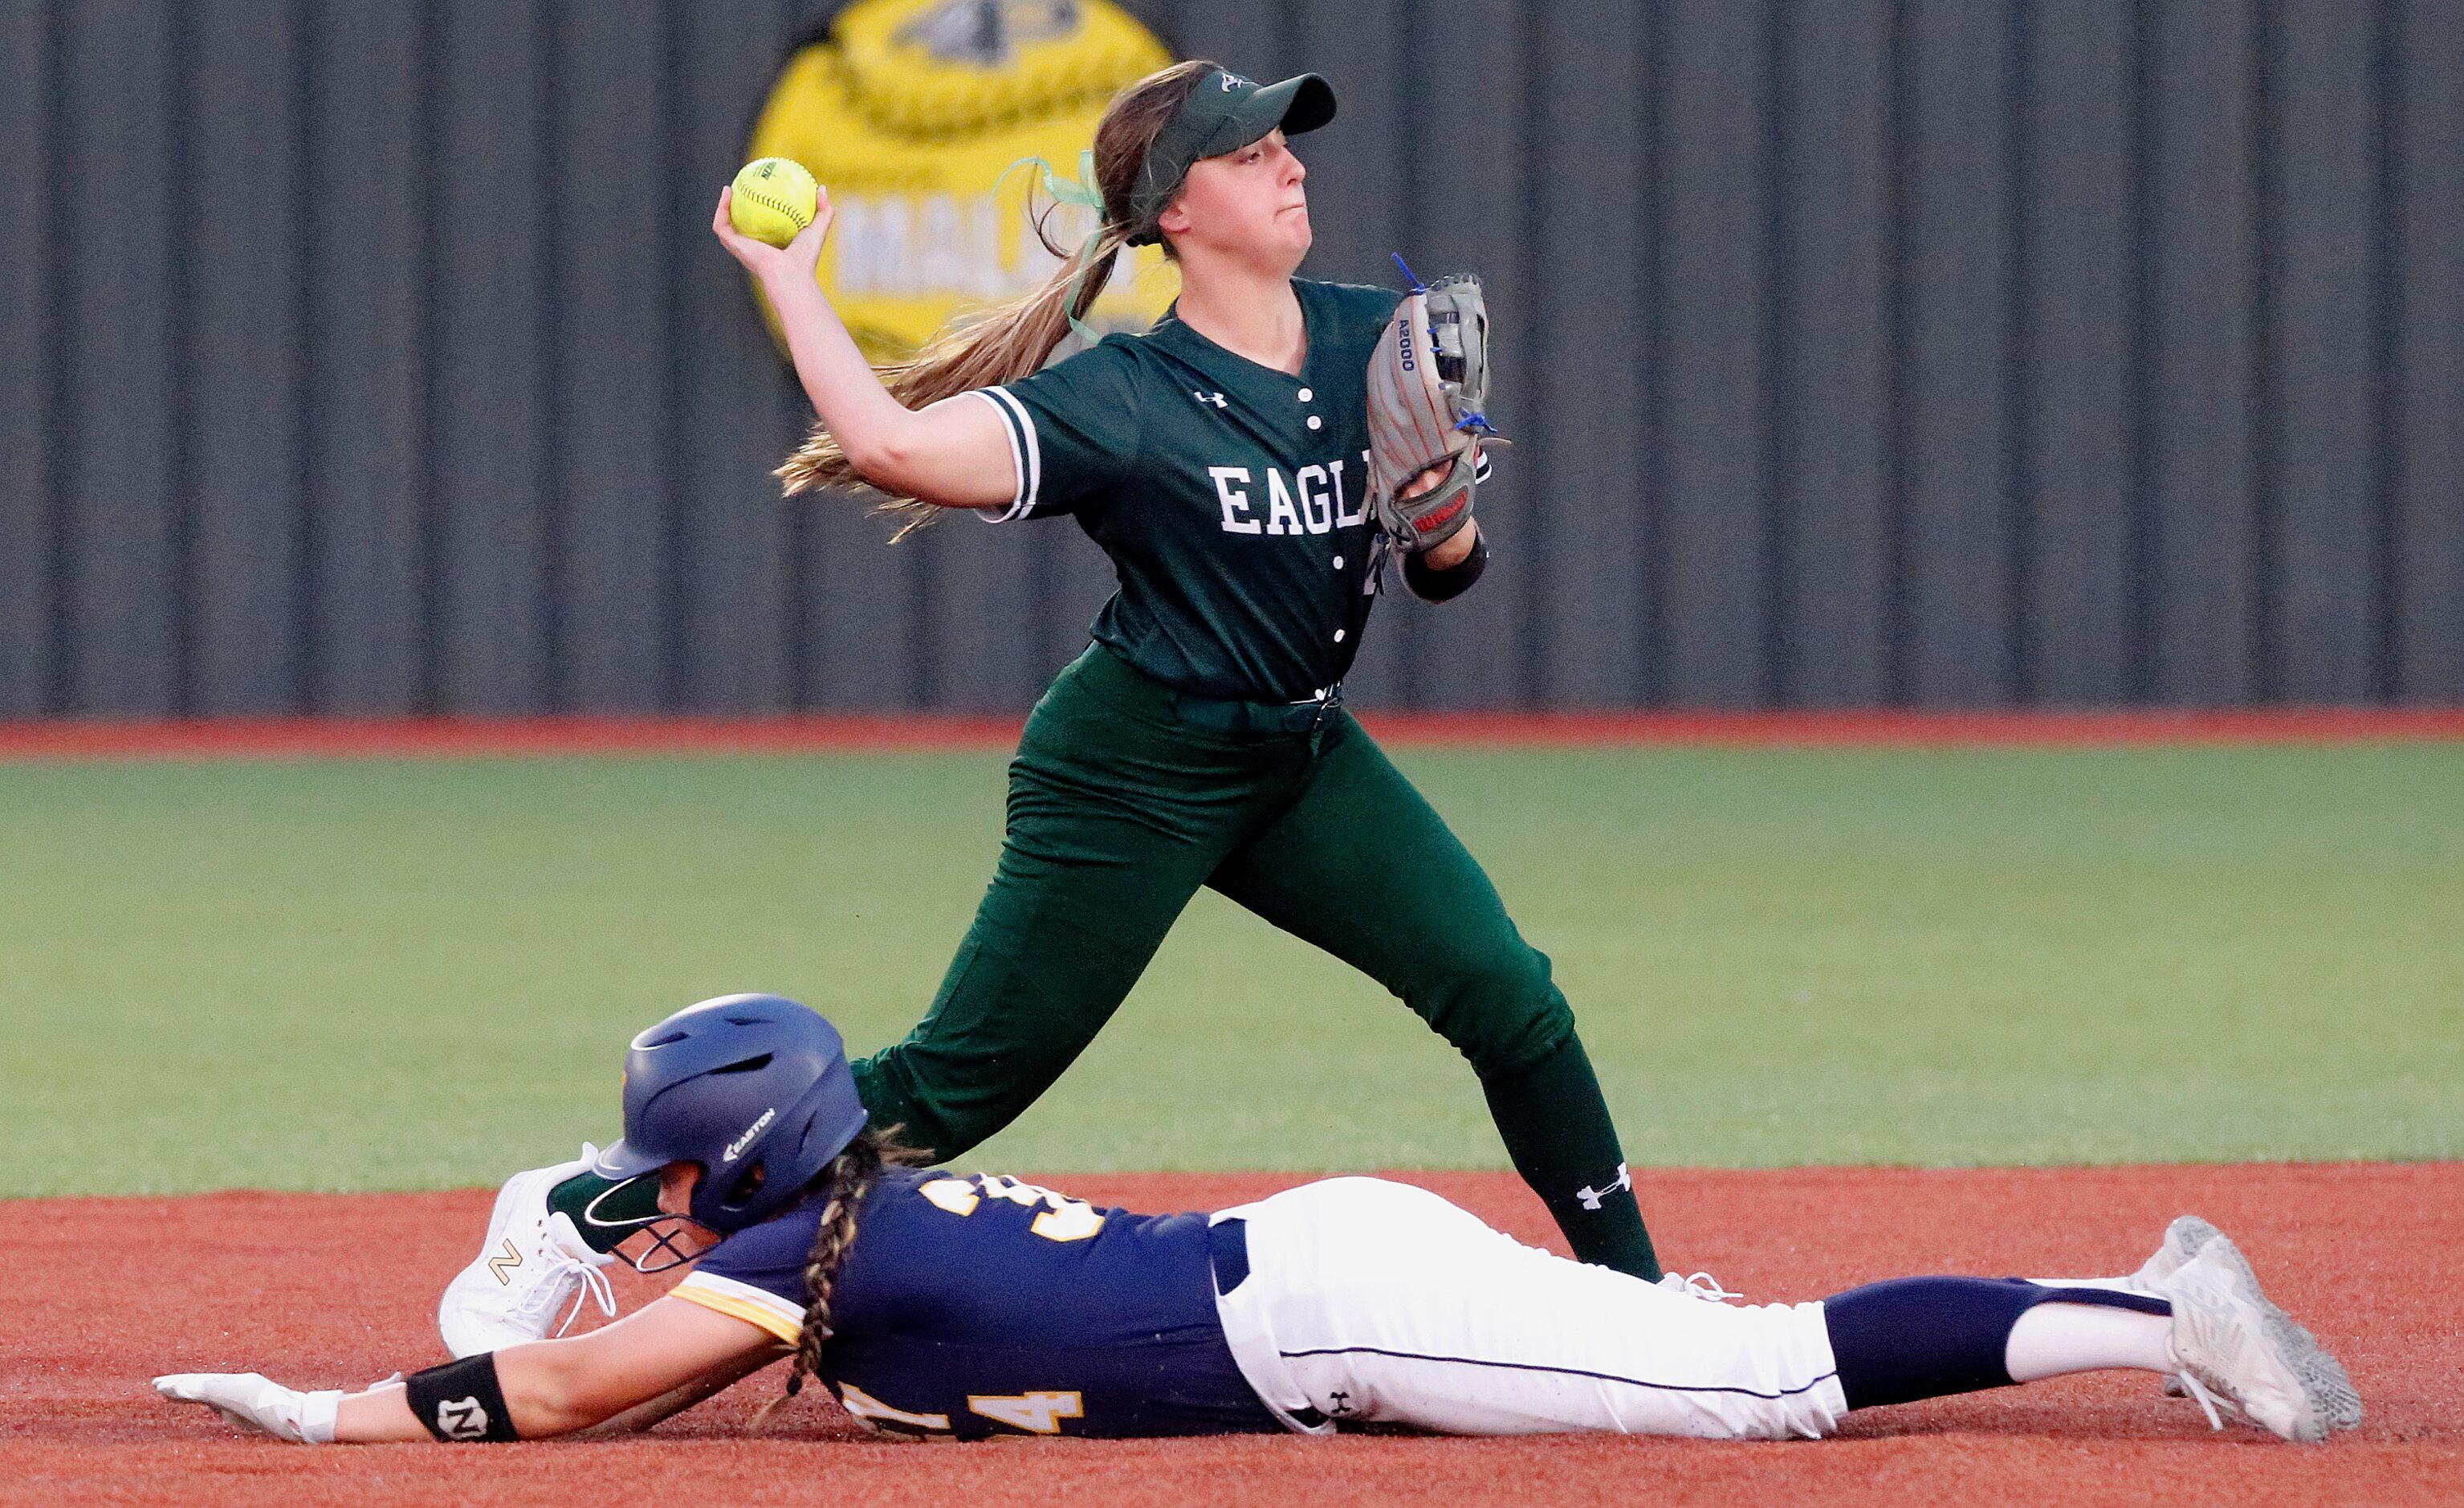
981 1305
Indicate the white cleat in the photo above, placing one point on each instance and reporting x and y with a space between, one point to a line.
1695 1285
532 1261
2235 1347
2184 1240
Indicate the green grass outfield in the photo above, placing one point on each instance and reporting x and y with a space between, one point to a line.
369 975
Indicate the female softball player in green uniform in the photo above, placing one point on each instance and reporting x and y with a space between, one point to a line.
1220 460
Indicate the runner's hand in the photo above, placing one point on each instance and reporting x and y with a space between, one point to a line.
250 1400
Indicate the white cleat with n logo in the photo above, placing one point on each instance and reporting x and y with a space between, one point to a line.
531 1263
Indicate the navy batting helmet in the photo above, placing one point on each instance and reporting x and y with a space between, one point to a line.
755 1087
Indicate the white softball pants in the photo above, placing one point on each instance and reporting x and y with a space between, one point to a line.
1375 1300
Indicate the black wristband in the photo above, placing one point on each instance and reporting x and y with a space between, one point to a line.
1430 584
460 1403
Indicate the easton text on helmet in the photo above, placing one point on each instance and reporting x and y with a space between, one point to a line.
736 1148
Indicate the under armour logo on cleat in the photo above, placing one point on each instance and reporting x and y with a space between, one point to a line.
1592 1197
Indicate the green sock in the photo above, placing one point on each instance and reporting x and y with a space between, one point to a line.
637 1200
1557 1130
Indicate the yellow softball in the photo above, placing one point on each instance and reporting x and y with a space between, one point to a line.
774 198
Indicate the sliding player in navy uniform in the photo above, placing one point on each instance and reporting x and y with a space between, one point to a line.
939 1305
1220 460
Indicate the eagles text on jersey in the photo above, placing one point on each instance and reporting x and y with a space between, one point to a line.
1231 496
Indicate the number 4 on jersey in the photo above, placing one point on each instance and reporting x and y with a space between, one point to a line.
1036 1413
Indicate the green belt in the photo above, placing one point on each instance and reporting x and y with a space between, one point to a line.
1216 714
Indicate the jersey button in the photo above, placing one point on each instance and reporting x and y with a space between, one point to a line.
1338 635
1306 396
1316 423
1338 563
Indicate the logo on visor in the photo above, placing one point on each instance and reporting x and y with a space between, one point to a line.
736 1148
1231 81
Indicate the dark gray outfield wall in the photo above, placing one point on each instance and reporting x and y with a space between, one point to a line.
366 356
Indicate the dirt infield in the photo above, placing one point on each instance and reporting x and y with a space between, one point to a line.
322 1289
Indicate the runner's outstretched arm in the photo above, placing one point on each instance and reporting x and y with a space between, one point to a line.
628 1376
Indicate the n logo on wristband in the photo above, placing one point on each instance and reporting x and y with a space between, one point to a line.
461 1419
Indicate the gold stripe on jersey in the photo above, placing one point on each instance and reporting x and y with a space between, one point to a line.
743 1301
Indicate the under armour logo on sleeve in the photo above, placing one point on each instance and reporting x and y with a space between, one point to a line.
1592 1197
1215 398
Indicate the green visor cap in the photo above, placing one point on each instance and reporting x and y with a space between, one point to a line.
1224 113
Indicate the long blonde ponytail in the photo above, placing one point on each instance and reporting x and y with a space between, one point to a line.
1013 340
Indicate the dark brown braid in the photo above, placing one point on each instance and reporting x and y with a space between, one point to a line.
839 1190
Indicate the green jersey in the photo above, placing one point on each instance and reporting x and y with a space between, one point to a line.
1231 498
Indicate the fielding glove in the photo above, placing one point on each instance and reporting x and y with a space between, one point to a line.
1428 380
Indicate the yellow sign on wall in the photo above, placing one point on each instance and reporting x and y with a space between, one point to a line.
910 112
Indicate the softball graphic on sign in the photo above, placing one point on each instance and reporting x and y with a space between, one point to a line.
911 113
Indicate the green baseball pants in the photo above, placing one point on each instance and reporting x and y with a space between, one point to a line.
1125 797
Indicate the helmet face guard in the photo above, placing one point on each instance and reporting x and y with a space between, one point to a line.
653 1243
754 1088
